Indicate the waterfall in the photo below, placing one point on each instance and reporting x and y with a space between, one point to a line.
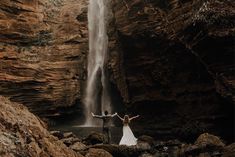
96 101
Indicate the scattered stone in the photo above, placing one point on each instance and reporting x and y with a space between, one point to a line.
146 155
70 140
166 145
204 155
94 138
58 134
68 134
209 140
229 151
205 145
92 152
78 146
147 139
143 145
122 150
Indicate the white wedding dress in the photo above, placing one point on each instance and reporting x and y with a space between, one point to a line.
128 137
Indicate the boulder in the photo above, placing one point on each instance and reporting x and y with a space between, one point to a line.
229 151
70 140
146 155
57 134
146 139
143 145
69 134
122 150
24 134
78 146
207 139
94 138
204 145
92 152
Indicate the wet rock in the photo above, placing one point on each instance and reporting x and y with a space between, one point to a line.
97 153
209 140
70 140
69 134
170 148
206 144
204 155
146 139
146 155
67 138
229 151
78 146
143 145
200 151
94 138
58 134
165 145
123 150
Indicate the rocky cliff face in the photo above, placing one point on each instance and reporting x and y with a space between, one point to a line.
43 46
171 61
177 63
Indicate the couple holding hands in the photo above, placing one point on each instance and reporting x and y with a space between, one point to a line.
128 137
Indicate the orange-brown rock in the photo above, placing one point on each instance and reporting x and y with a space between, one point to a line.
92 152
24 134
43 46
171 61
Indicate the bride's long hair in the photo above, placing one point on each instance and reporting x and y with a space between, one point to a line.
126 119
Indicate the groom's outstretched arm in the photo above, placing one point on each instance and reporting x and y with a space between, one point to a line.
96 116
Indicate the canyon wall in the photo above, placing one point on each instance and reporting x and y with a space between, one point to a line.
43 48
173 62
170 61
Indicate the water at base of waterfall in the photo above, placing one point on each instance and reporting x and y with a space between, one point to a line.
84 131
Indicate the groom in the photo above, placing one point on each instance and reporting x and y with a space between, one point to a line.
106 123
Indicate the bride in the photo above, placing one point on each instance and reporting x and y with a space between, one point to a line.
128 137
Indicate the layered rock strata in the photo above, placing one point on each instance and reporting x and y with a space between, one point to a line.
43 48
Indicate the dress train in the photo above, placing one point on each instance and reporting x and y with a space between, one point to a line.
128 137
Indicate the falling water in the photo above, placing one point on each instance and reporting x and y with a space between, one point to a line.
98 43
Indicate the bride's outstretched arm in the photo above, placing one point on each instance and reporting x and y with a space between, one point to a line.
120 118
134 117
113 115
